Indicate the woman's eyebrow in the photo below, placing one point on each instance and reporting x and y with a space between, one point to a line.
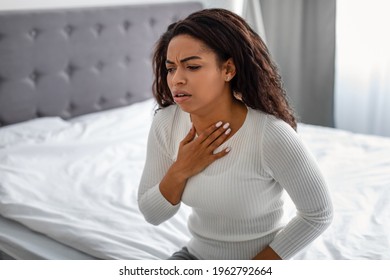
184 59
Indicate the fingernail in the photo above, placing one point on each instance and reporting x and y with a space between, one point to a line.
228 131
226 125
218 124
228 149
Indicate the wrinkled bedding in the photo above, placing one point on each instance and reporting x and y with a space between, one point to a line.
76 181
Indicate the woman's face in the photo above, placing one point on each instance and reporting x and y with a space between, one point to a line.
197 83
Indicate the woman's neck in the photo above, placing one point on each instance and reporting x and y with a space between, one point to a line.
234 114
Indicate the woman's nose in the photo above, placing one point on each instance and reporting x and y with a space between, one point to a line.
178 77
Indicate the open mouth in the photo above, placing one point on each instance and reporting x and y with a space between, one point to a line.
180 97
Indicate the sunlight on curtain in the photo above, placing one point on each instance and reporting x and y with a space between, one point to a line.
362 81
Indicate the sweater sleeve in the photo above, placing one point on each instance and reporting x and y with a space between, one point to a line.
295 169
152 204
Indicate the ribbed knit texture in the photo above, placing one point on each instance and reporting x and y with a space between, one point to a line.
237 200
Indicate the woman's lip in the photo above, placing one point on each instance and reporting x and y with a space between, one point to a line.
179 92
181 99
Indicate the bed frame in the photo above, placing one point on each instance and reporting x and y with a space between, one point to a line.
70 62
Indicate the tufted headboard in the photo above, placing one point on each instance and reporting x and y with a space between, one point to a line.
76 61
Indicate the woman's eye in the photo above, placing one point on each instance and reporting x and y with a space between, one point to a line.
193 67
170 70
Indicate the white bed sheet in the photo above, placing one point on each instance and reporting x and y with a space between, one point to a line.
76 181
357 169
21 243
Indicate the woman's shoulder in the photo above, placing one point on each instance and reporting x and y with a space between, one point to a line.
272 129
167 125
166 112
164 116
266 121
270 122
169 122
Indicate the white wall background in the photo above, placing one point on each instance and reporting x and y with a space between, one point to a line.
233 5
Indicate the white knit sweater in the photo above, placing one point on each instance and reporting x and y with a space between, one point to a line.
237 201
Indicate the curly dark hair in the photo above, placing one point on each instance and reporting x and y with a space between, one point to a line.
257 80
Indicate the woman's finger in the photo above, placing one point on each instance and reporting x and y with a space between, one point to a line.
209 131
217 134
190 136
221 154
220 139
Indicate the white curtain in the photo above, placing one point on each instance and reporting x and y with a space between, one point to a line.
362 81
251 11
301 39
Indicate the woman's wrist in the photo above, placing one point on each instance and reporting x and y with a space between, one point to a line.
178 173
173 184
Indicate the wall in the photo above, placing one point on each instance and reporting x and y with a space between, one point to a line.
234 5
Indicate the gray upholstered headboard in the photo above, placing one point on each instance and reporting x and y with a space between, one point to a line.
76 61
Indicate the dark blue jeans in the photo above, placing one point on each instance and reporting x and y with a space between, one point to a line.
183 254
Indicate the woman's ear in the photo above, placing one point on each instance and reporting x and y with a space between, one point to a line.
229 69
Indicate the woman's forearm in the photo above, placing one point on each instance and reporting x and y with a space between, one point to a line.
173 184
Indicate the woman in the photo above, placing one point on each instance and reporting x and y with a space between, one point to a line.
224 143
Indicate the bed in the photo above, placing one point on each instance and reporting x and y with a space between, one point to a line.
75 111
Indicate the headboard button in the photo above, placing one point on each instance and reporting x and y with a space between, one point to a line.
33 33
129 95
35 76
152 22
2 80
99 66
39 114
69 30
127 61
102 101
71 108
126 25
70 70
98 28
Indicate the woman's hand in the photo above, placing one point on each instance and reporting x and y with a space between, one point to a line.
194 155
